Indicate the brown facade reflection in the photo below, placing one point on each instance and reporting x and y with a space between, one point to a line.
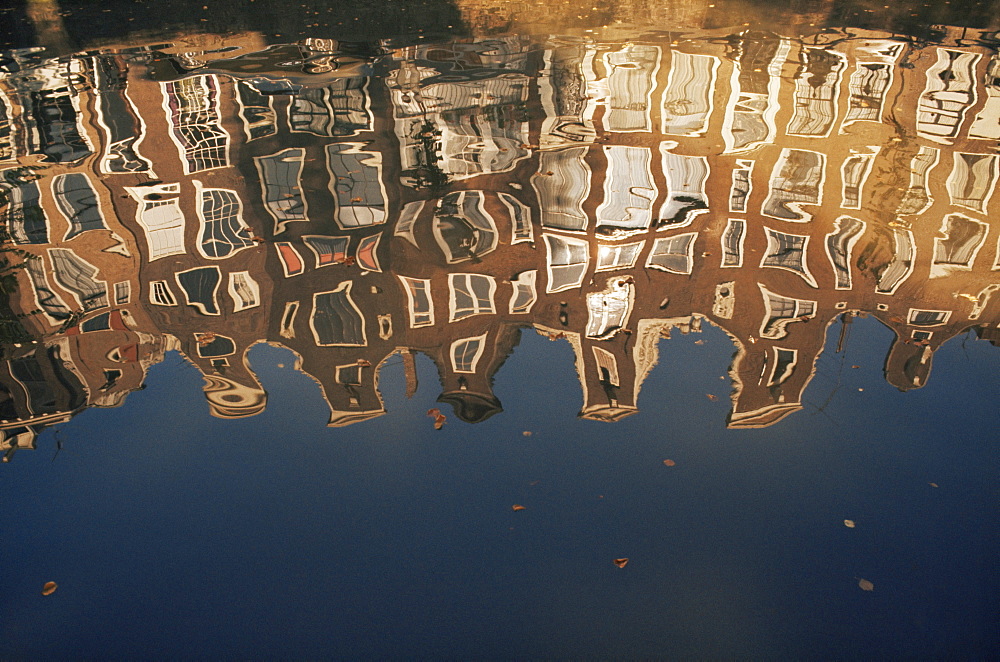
442 199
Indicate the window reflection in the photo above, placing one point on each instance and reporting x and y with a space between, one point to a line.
463 176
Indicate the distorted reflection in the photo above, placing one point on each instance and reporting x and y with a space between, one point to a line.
442 198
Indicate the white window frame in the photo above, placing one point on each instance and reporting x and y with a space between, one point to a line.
197 305
550 240
281 258
250 283
775 379
421 318
615 250
526 280
481 340
676 91
164 288
912 313
521 229
165 236
773 245
288 319
730 227
690 253
464 280
278 215
346 288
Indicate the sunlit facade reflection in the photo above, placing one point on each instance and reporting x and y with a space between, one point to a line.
443 198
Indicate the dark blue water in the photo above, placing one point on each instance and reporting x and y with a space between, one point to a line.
274 537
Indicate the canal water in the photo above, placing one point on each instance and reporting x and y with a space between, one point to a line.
492 330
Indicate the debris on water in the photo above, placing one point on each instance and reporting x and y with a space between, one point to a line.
526 433
866 585
669 463
849 523
855 367
49 588
699 342
711 397
621 563
439 418
517 507
933 484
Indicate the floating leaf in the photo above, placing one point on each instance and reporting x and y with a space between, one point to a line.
621 562
526 433
711 397
699 342
438 417
49 588
933 484
855 366
517 507
849 523
866 585
669 463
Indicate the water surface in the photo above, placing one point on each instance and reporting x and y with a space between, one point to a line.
298 312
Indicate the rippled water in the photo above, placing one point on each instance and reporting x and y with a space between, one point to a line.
386 332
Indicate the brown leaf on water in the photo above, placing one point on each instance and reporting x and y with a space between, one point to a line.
866 585
517 507
438 417
711 397
49 588
849 523
669 463
933 484
526 433
699 342
621 562
855 367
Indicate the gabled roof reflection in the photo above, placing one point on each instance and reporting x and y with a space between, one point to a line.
444 198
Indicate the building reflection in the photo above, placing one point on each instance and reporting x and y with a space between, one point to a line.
352 203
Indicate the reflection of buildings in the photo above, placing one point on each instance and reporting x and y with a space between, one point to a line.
444 199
